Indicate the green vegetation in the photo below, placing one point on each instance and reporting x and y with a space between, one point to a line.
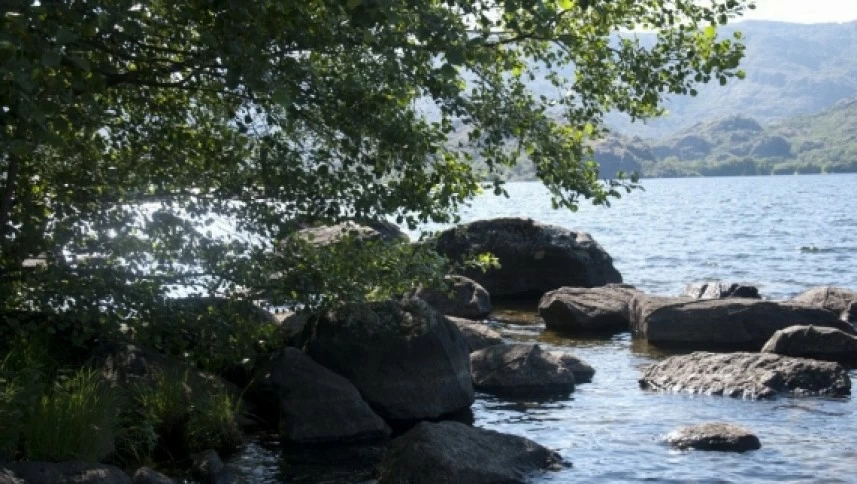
150 146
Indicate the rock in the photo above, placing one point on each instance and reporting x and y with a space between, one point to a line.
714 436
407 361
524 369
206 463
534 258
588 310
319 406
720 290
747 375
145 475
468 299
126 364
292 325
840 301
328 234
731 323
478 335
61 473
451 453
813 342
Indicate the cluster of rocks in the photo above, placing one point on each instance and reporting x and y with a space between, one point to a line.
356 374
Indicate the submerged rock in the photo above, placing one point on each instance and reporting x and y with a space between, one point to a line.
720 290
478 335
588 310
836 299
746 375
452 453
534 258
468 298
61 473
407 361
526 370
721 323
718 436
813 342
319 406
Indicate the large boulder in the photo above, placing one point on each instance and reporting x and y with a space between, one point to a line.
319 406
525 370
478 335
719 436
840 301
61 473
746 375
534 258
451 453
588 310
465 298
147 475
731 323
408 361
813 342
720 290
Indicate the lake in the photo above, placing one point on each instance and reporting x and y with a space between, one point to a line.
783 234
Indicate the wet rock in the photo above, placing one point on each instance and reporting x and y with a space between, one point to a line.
746 375
468 299
478 335
717 436
534 258
207 467
146 475
813 342
731 323
319 406
451 453
720 290
61 473
527 370
588 310
839 300
407 361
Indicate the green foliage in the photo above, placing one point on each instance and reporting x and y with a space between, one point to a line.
149 144
76 419
213 424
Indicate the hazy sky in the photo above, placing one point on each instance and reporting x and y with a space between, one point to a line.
805 11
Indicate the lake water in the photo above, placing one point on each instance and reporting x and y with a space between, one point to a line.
784 234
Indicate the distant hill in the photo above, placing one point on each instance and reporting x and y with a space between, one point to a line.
791 69
738 145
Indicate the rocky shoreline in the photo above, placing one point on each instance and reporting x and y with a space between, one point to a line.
396 375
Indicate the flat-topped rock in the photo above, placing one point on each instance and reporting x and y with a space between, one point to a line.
814 342
527 370
453 453
839 300
732 323
588 310
534 258
747 375
407 361
465 298
718 436
375 231
478 335
319 406
720 290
